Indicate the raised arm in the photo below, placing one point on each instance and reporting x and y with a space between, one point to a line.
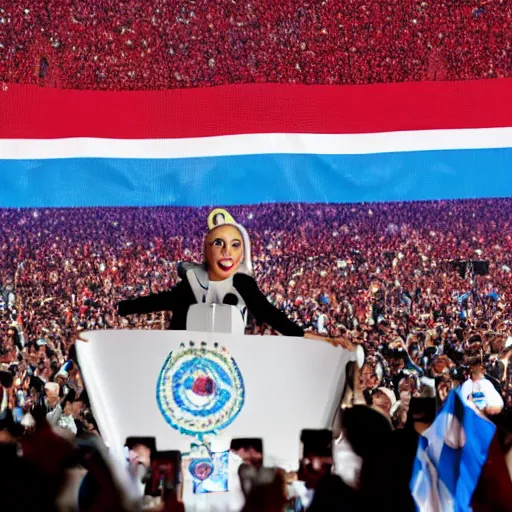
265 312
164 301
261 308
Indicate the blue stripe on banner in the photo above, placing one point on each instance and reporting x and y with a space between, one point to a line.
233 180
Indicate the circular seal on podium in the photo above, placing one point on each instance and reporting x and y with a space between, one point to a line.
200 391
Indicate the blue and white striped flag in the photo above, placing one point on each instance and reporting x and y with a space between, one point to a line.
450 457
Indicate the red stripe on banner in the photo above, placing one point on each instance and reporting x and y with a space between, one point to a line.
31 112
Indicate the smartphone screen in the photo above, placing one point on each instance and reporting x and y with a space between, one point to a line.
316 459
210 475
165 473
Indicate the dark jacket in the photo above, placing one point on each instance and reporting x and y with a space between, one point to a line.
181 297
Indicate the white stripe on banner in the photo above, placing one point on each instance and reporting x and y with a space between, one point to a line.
255 144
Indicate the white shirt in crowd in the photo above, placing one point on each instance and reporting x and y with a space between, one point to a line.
484 393
321 324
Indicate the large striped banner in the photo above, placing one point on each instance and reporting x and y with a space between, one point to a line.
255 143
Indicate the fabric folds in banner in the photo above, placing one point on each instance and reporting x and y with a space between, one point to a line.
450 458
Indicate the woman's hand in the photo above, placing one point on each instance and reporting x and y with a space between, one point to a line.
337 342
77 335
342 342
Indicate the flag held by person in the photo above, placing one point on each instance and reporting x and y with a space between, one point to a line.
450 457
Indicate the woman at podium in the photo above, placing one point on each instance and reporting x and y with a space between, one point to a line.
225 277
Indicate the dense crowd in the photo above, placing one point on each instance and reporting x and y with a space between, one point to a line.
158 45
380 275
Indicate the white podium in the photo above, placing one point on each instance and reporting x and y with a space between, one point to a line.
290 384
215 318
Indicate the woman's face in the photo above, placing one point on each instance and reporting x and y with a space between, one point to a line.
381 400
223 252
368 378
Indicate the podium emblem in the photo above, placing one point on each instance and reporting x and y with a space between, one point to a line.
200 391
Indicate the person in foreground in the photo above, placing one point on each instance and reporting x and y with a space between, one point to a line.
225 277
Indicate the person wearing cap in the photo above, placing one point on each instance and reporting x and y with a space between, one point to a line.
225 277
